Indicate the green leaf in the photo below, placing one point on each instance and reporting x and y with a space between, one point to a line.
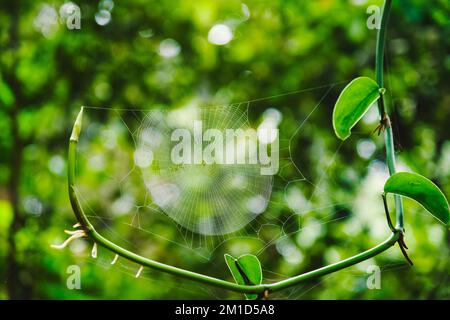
353 102
232 265
246 270
250 265
422 190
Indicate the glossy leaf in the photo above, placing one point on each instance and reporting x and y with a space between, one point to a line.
422 190
251 266
354 101
234 269
246 270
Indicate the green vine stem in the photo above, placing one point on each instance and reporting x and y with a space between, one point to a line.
262 289
385 120
90 231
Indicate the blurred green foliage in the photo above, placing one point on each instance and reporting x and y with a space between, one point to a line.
48 71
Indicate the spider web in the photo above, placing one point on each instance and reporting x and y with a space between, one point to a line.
210 212
206 198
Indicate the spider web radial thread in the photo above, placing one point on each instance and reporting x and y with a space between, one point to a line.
209 199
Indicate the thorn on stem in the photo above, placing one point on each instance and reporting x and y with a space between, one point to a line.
94 251
74 235
403 247
115 259
71 232
138 273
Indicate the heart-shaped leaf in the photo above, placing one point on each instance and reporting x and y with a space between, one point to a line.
246 270
422 190
353 102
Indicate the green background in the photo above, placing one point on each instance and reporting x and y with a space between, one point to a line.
282 47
